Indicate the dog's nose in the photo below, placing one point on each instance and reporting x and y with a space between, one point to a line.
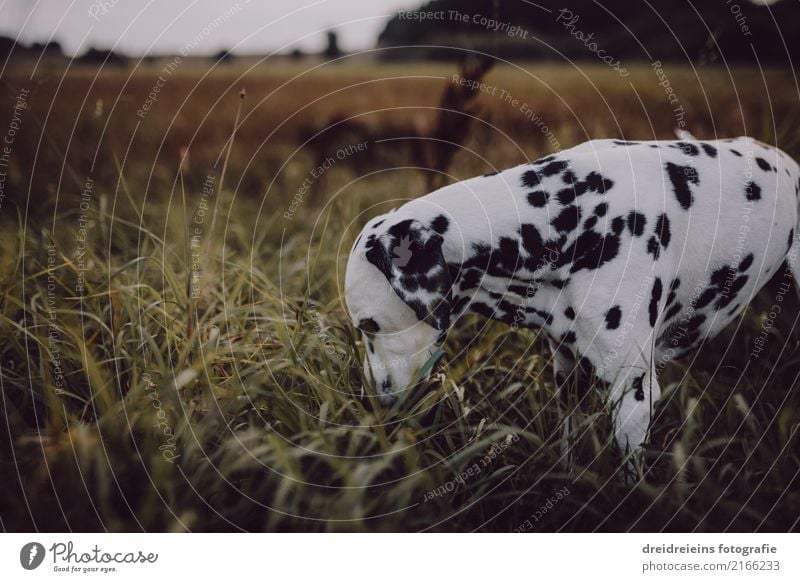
388 399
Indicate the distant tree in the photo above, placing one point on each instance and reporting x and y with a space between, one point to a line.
95 56
7 45
713 32
296 54
52 48
223 56
332 50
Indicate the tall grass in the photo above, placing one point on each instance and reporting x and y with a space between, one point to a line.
246 413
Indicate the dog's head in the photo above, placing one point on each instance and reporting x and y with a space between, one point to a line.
398 292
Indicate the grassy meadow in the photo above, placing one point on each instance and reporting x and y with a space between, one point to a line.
174 350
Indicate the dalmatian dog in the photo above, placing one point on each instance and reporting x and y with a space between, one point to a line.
625 253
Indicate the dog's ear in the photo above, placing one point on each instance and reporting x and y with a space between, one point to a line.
409 254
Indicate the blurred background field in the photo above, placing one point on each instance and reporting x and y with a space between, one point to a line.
155 381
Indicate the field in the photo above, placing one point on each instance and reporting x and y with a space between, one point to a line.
174 349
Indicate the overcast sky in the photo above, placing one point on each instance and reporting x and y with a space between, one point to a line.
165 26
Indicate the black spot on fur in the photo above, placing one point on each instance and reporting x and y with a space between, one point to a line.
735 153
538 198
696 322
618 224
663 230
530 179
746 262
765 165
440 224
369 325
570 313
655 297
566 196
508 256
710 150
638 388
460 304
719 276
613 317
597 183
553 168
471 279
601 209
568 219
687 148
681 177
705 298
591 250
661 236
532 243
590 222
673 311
752 191
568 337
482 309
636 222
488 175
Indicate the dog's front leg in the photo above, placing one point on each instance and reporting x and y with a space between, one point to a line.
633 397
563 370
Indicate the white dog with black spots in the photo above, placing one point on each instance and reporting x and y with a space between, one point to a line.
625 253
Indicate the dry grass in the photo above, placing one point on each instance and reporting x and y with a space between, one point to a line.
261 424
